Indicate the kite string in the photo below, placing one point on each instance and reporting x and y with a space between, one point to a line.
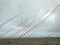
40 22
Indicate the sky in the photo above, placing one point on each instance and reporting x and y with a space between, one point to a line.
19 16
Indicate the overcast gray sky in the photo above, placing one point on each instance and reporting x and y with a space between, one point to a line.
27 12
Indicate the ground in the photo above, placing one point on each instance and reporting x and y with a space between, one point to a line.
31 41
